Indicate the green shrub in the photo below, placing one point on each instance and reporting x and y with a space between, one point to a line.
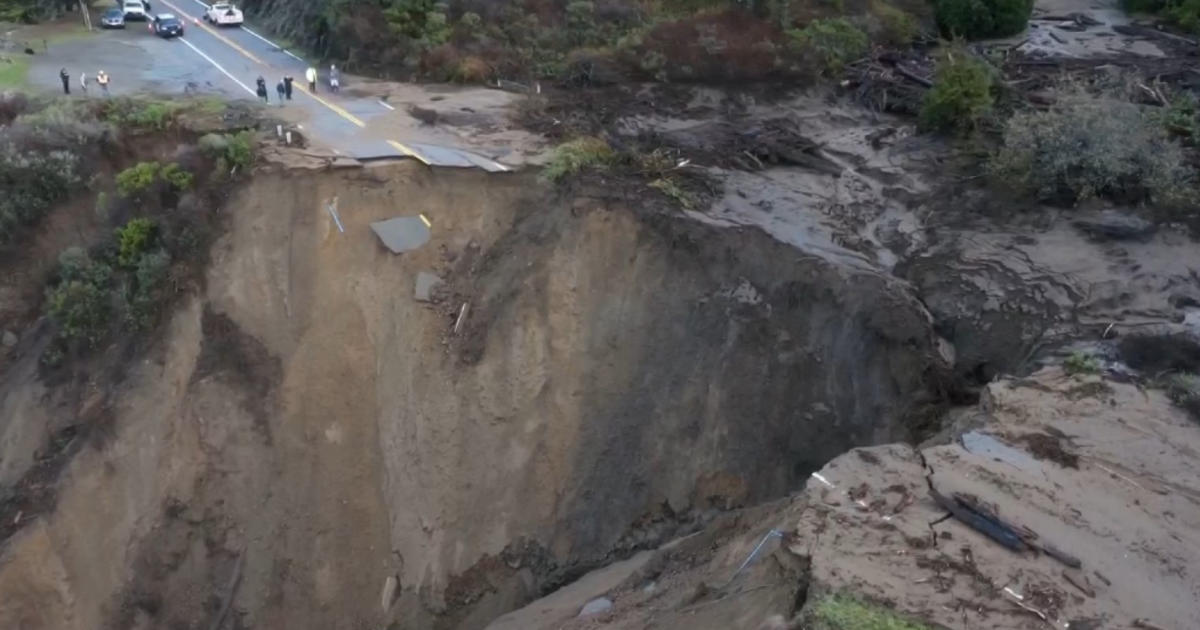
1180 118
80 302
132 241
581 22
1085 147
577 155
178 178
1184 390
149 280
230 150
138 178
1182 13
961 96
239 153
840 612
897 27
671 188
979 19
141 114
1081 363
32 182
834 41
62 124
420 21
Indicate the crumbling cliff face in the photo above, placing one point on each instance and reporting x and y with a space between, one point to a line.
588 379
1102 472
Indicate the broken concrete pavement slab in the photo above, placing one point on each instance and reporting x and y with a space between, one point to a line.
596 607
426 283
985 445
402 234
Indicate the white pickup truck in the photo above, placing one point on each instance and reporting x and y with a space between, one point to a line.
135 9
224 14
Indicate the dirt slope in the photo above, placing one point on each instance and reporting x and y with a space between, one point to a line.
1117 491
308 429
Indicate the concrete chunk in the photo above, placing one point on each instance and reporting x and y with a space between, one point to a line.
426 283
402 234
596 606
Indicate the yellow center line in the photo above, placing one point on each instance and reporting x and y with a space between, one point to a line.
232 44
409 152
337 109
247 54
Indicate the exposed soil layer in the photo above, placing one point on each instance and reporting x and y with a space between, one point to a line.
594 377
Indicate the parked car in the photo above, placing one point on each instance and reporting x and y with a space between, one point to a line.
113 18
135 9
166 25
224 14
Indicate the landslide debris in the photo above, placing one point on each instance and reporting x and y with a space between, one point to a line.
864 529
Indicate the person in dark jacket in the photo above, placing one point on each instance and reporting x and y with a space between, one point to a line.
66 80
280 90
262 89
287 86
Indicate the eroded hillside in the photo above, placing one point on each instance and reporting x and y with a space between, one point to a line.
618 376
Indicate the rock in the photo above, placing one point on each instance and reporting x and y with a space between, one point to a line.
426 283
596 606
389 592
1181 301
1117 226
92 405
1152 351
9 339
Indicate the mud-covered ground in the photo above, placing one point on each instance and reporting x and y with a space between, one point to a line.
604 368
1103 472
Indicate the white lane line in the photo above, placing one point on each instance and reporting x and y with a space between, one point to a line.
387 106
271 43
248 30
217 66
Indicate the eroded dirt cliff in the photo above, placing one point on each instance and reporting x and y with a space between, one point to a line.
307 429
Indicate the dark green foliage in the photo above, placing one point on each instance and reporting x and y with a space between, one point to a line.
1182 13
80 303
138 178
835 42
145 299
578 155
961 96
1087 146
176 177
1181 118
32 181
980 19
1081 363
132 240
140 114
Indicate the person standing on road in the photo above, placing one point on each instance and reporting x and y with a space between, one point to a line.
83 82
262 89
102 79
310 75
66 80
280 90
335 79
287 86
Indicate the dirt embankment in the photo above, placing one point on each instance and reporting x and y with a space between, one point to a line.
1102 472
307 429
